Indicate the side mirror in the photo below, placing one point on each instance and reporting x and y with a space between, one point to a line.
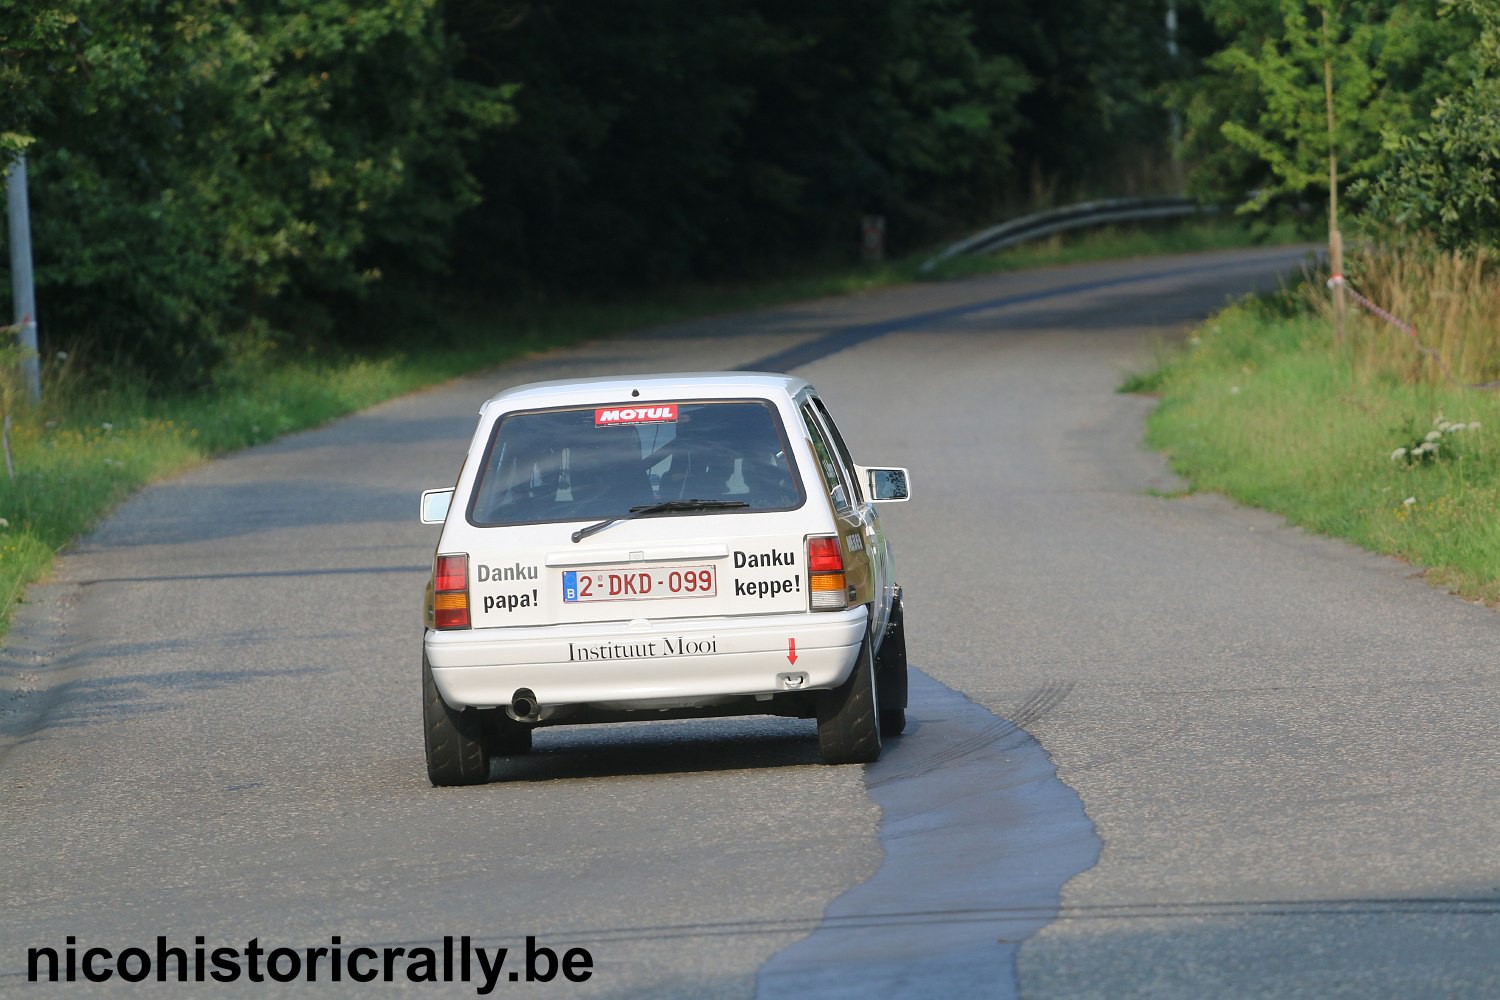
886 485
435 504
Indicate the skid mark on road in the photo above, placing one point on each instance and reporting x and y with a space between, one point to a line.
980 836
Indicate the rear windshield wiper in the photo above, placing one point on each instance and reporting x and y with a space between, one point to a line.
657 508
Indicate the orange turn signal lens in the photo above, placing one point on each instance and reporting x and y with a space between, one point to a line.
825 578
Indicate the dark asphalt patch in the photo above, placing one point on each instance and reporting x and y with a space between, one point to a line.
980 835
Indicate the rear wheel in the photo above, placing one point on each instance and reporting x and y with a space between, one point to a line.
892 722
456 747
848 727
890 674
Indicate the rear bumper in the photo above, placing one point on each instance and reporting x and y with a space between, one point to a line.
667 663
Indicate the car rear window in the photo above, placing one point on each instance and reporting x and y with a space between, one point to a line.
598 462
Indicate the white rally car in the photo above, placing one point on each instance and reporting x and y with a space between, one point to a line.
655 547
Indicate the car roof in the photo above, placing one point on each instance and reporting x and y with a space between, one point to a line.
659 386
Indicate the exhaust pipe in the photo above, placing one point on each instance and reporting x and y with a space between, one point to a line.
523 706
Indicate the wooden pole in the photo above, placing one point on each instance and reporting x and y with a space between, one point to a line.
1335 238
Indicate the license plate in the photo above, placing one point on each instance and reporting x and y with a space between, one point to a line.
638 584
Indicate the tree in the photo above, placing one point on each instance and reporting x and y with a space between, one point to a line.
1257 120
629 117
1444 180
701 138
200 167
32 36
1093 120
887 107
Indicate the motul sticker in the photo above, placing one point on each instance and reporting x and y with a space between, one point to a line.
611 416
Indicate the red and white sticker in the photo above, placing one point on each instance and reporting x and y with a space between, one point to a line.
611 416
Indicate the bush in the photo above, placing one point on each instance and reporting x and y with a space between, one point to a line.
1442 180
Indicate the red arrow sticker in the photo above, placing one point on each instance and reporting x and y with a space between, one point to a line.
791 650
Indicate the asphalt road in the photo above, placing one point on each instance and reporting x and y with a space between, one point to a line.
1162 747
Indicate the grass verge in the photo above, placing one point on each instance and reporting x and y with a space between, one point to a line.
1262 406
86 450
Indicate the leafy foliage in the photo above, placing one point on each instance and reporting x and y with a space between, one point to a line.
1099 69
1444 180
700 137
31 37
201 167
1258 118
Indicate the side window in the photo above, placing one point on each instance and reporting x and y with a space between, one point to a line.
840 447
834 475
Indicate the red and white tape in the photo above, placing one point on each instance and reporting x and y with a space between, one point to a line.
1411 331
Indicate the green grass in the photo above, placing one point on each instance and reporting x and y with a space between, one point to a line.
1261 407
87 449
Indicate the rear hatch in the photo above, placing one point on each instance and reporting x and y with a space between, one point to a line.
616 513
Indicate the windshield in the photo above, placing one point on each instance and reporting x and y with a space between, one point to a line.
599 462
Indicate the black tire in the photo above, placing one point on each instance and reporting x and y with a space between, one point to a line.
504 736
890 674
892 722
848 730
456 747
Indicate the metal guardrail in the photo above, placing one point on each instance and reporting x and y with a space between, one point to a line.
1060 220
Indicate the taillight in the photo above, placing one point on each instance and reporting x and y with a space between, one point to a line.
825 568
450 597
